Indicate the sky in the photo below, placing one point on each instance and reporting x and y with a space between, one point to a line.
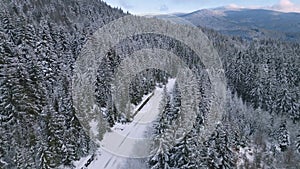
142 7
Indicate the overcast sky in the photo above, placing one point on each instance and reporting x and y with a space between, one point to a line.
141 7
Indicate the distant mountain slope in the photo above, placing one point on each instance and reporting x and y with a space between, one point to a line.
248 23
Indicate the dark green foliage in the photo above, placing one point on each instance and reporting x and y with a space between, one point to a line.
39 43
298 143
264 73
283 138
144 83
38 48
220 154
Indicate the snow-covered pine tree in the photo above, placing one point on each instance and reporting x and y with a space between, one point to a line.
185 155
161 157
220 153
176 101
35 69
298 143
283 137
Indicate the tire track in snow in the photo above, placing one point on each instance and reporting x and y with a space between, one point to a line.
124 139
108 162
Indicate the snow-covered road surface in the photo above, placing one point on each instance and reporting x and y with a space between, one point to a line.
124 138
129 140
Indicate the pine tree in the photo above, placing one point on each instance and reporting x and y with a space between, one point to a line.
161 158
36 58
220 154
298 143
185 153
283 138
175 103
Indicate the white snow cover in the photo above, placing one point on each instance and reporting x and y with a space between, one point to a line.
127 140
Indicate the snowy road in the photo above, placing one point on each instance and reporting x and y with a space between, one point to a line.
128 140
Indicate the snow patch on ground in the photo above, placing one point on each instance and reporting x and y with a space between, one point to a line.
170 85
248 152
94 127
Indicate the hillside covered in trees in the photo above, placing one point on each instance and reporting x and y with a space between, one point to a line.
40 42
260 126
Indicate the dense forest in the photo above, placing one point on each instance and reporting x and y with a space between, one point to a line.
40 42
260 126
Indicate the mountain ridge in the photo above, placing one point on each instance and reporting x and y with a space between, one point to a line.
246 23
